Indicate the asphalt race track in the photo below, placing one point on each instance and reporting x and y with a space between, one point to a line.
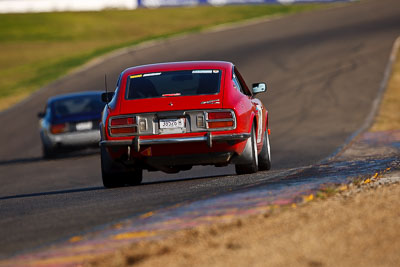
323 69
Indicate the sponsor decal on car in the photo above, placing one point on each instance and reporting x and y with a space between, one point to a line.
215 101
151 74
202 71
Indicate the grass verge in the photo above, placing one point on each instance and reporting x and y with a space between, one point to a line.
36 49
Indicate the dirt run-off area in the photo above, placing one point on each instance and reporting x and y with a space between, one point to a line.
358 227
355 224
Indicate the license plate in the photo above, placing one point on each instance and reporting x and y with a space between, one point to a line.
82 126
172 123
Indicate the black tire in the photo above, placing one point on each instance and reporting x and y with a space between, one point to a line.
264 158
109 179
251 167
134 177
117 176
48 153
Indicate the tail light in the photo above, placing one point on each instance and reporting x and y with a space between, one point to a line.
123 131
221 119
58 128
123 126
219 115
123 121
220 124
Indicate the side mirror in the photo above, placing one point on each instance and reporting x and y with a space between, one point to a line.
41 115
259 88
106 97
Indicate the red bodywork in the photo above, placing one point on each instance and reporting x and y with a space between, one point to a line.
172 152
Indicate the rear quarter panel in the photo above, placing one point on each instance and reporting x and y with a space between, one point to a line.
241 104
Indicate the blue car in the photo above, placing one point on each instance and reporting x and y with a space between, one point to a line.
70 121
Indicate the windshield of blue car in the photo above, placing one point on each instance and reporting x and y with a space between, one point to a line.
173 83
91 104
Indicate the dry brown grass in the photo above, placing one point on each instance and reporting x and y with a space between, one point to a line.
361 230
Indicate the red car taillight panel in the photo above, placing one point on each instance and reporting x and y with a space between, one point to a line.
123 131
122 126
219 115
220 119
149 123
123 121
220 124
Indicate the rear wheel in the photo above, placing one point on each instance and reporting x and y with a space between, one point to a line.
112 177
264 158
110 180
251 167
48 153
134 177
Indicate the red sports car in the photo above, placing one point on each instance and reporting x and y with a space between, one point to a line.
171 116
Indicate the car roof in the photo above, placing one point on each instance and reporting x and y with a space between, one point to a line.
73 95
171 66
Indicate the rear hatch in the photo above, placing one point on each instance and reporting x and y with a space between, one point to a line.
173 91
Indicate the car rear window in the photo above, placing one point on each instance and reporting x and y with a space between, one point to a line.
91 104
173 83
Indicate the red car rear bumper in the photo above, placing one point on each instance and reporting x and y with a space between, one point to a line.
208 138
203 149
